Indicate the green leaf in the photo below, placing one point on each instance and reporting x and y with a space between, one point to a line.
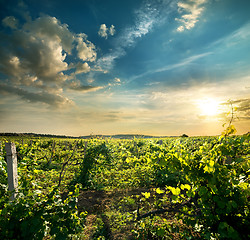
146 194
211 163
202 191
160 232
159 191
175 191
185 186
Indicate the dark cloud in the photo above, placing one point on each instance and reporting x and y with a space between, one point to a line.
77 86
11 22
55 100
243 104
242 108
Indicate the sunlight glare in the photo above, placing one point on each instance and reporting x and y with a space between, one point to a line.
209 107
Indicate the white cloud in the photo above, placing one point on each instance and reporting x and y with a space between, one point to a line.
180 29
51 28
239 36
33 56
112 30
82 68
115 82
146 17
191 10
104 31
182 63
40 58
86 49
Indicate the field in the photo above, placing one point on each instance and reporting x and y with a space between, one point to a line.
169 188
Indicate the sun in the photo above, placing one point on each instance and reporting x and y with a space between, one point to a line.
208 107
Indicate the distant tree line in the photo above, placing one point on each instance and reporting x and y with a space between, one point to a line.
33 135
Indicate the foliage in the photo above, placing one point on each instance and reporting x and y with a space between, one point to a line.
34 217
194 188
95 153
3 182
39 210
212 193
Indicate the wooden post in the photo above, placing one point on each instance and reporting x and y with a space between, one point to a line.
11 156
85 148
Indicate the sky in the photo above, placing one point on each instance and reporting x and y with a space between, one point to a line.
153 67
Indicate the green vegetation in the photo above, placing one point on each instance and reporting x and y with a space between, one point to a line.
172 188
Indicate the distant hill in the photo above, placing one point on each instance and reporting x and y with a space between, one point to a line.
117 136
122 136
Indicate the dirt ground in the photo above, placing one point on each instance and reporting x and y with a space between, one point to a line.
98 202
94 201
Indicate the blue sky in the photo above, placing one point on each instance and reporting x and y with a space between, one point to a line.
160 67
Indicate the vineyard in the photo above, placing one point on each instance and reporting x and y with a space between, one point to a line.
169 188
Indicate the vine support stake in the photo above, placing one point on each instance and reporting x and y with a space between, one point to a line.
85 148
11 156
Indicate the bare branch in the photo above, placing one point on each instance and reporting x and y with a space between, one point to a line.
175 209
64 165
